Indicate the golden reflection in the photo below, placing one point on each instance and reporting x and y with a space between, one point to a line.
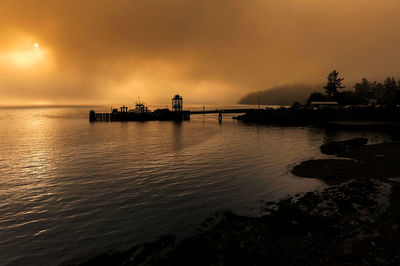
39 152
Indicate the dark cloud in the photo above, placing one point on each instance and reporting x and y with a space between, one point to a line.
212 51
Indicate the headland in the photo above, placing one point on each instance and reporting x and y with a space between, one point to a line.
385 117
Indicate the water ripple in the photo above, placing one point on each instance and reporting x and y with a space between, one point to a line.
71 190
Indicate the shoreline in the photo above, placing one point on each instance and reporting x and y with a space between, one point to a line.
385 117
379 161
354 220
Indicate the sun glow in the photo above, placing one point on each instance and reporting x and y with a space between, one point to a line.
26 56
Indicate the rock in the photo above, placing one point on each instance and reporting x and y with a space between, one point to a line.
394 179
335 147
324 227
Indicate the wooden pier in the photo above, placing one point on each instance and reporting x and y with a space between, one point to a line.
102 117
142 113
161 115
224 111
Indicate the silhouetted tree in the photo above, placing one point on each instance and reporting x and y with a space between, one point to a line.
350 98
379 92
397 98
296 106
334 83
391 89
390 84
365 89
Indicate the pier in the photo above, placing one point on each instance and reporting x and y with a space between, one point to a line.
224 111
142 113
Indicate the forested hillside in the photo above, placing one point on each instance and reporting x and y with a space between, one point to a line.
281 95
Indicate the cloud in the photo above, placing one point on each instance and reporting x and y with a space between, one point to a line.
212 51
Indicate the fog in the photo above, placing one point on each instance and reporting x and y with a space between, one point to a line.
105 52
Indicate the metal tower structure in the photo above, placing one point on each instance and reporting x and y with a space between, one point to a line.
177 103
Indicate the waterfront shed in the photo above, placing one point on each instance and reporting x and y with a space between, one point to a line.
323 104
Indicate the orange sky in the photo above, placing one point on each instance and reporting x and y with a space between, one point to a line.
211 51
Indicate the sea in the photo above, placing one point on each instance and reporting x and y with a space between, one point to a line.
71 190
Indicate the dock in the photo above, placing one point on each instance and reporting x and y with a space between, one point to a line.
142 113
224 111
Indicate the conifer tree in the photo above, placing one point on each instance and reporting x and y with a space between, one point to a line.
334 83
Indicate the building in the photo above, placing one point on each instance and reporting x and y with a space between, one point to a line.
324 104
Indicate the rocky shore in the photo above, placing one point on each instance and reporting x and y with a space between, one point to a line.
353 221
385 117
379 161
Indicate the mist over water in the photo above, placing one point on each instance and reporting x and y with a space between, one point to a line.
71 190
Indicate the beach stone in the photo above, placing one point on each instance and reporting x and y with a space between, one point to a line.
335 147
394 179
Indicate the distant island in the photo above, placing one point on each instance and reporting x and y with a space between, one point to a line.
281 95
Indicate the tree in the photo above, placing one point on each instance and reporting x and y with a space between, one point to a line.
391 89
365 89
334 83
296 106
350 98
390 84
379 91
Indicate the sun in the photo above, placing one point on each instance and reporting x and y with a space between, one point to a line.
36 45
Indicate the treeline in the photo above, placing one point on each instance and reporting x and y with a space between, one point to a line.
281 95
365 92
361 93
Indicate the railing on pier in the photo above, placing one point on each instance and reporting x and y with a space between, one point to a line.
163 114
103 117
225 111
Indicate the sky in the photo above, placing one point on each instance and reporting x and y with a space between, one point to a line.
209 51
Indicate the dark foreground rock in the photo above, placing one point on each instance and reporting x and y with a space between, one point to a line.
371 161
336 147
355 223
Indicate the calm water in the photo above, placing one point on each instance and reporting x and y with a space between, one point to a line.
70 190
